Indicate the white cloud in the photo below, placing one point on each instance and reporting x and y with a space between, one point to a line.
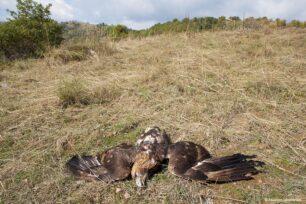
281 8
5 4
137 25
60 9
143 13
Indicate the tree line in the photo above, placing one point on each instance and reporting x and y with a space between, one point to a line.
198 24
30 31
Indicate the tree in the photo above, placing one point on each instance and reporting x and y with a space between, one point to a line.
102 25
30 31
280 23
117 32
221 22
208 22
296 23
234 18
31 10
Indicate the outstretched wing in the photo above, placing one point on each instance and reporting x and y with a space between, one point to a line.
183 162
118 161
111 165
184 155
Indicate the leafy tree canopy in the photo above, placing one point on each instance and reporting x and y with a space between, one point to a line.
29 32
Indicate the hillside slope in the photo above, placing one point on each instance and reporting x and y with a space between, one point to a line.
229 91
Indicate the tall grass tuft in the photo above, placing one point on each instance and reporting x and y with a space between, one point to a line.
73 92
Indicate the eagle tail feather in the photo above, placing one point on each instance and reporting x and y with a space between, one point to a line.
233 168
86 167
232 174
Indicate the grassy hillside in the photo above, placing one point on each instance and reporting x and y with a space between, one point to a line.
238 91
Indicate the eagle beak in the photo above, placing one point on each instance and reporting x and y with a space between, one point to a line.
141 180
140 176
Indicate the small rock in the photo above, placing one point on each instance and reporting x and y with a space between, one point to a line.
4 85
127 195
118 190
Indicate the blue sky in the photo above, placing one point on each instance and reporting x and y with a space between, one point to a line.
139 14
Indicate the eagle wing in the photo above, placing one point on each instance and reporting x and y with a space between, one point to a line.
192 161
184 155
111 165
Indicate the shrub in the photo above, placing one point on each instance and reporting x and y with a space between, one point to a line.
221 22
80 52
73 92
280 23
76 32
71 54
117 32
29 32
296 24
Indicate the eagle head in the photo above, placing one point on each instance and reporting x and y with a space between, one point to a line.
144 162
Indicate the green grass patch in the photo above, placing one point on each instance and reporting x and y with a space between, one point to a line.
74 92
145 93
271 90
34 175
6 150
129 137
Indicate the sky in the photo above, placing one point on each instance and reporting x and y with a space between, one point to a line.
139 14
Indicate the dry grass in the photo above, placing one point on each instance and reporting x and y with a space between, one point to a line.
79 52
229 91
74 92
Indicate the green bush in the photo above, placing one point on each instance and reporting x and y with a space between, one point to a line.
296 24
117 32
73 92
280 23
29 32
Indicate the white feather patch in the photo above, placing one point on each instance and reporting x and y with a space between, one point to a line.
199 164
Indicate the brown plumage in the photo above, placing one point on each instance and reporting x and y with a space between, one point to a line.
151 148
116 163
154 141
144 164
111 165
192 161
186 159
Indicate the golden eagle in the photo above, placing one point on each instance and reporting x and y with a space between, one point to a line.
185 159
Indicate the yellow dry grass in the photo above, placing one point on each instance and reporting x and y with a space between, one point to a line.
238 91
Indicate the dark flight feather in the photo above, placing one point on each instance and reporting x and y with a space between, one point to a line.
192 161
111 165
